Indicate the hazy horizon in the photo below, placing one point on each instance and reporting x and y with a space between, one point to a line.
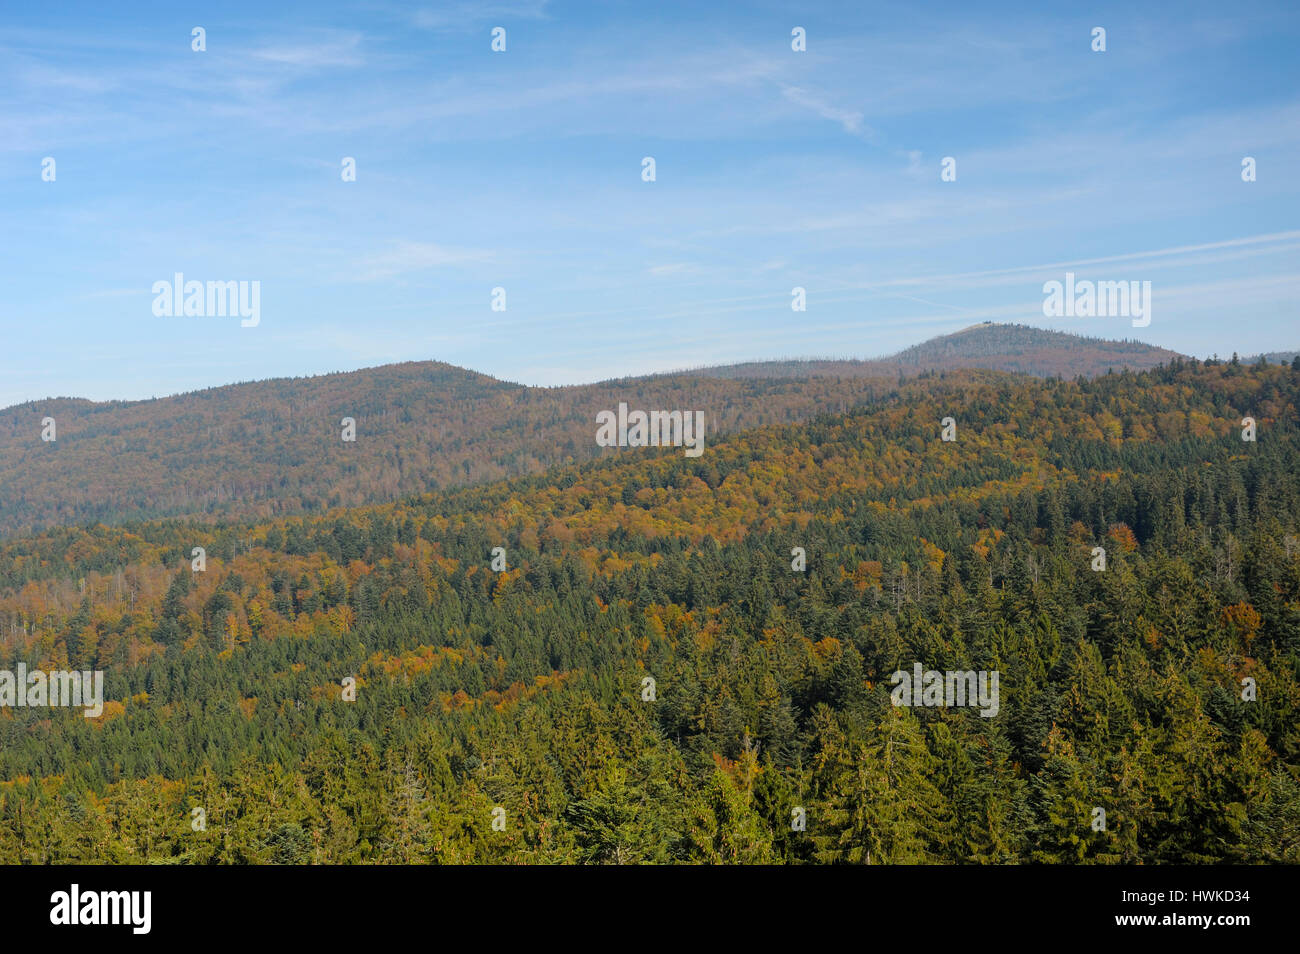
580 383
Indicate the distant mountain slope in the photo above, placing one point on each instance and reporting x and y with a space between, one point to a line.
1273 357
269 448
274 447
1018 349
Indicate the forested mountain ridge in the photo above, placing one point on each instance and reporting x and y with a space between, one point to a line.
1019 349
268 448
524 690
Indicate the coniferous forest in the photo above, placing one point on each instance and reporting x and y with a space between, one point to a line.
653 658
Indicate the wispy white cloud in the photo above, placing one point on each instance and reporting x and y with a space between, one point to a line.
343 51
850 119
406 257
673 268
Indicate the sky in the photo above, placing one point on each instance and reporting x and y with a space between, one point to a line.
523 170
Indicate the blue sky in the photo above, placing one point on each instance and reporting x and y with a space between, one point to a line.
522 170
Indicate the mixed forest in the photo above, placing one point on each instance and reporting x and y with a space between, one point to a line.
267 449
502 715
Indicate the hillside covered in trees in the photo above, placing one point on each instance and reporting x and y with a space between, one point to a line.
1019 349
265 449
269 448
503 715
